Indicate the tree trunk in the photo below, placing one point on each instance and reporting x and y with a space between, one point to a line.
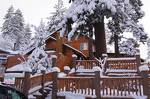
116 45
90 42
100 40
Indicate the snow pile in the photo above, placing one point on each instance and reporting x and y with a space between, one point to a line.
70 95
67 68
62 74
72 71
138 97
144 68
74 55
97 68
53 56
55 69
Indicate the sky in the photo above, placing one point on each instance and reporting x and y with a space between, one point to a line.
35 10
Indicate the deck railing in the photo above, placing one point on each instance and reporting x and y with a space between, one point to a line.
88 64
29 84
128 64
99 87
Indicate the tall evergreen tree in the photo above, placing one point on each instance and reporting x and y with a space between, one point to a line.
122 14
26 37
7 27
13 27
18 32
41 33
57 16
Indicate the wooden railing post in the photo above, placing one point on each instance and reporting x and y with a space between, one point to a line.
54 61
145 82
97 84
138 61
74 58
43 82
54 88
26 83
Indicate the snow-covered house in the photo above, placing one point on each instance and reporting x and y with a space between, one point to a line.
10 58
66 48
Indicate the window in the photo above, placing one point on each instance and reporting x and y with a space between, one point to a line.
3 58
84 46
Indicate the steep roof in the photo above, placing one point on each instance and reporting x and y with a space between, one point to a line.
9 51
76 50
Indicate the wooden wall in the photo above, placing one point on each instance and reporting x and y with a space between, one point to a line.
13 60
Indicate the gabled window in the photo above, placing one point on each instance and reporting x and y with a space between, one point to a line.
84 46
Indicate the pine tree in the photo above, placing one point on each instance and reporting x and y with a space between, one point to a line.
18 32
26 37
41 33
7 27
13 27
57 16
123 17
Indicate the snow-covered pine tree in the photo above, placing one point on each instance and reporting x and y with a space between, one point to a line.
124 14
13 27
7 27
129 46
57 16
26 37
18 33
130 18
40 33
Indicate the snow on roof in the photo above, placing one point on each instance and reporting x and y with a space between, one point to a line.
49 36
20 67
9 51
37 52
32 47
75 49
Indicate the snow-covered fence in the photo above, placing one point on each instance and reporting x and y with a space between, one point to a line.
122 64
121 87
29 84
88 64
79 85
101 87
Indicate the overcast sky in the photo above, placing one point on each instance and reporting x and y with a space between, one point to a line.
34 10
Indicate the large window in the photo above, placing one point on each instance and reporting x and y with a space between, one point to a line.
84 46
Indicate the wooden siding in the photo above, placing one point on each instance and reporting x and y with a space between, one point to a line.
77 43
13 60
50 44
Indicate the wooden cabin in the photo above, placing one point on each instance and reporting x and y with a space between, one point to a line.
9 59
62 47
65 49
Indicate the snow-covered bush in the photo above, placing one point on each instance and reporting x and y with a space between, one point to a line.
38 60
